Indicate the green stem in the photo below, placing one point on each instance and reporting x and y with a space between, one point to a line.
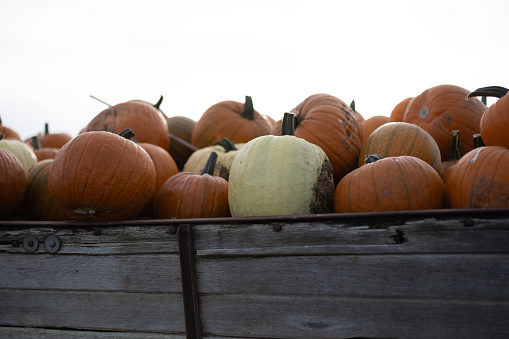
248 112
127 133
288 124
100 100
157 104
455 150
46 129
35 142
370 158
352 105
490 91
227 144
210 165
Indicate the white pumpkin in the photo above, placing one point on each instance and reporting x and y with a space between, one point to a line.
22 151
280 175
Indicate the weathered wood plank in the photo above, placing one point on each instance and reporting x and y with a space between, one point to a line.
95 240
248 316
323 238
446 276
96 311
31 332
128 273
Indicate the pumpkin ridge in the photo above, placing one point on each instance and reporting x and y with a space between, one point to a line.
373 174
77 168
87 181
398 166
391 137
204 210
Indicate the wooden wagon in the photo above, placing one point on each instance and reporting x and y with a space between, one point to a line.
412 274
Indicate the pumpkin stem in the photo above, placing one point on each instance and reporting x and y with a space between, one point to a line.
127 133
248 112
370 158
490 91
100 100
288 124
210 165
227 144
478 142
46 129
157 104
352 105
455 150
35 142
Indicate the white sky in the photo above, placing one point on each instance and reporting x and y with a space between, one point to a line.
55 54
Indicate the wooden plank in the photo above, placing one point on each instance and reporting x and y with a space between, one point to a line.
325 238
86 240
31 332
95 311
445 276
247 316
128 273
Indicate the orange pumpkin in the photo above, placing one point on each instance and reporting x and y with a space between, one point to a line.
480 179
100 175
494 124
401 138
9 133
443 108
146 121
12 183
390 184
43 153
165 167
189 195
399 110
229 119
372 123
326 121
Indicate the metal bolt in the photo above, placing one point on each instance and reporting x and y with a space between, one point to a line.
52 243
468 222
30 243
97 231
15 243
172 229
277 227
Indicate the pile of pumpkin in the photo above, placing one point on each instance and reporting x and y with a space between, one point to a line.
134 161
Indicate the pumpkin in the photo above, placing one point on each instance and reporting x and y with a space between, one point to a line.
494 124
372 123
51 140
180 129
226 152
239 122
480 179
165 167
390 184
21 150
329 123
280 175
398 111
401 138
443 108
38 203
100 175
12 183
189 195
148 123
9 133
43 152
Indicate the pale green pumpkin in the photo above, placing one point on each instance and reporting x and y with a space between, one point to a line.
280 175
21 150
226 151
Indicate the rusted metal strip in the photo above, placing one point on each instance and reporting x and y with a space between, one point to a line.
189 286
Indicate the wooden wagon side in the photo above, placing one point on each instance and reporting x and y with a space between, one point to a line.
432 274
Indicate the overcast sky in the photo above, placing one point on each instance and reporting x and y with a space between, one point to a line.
55 54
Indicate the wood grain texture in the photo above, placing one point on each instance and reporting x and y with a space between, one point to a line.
405 275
